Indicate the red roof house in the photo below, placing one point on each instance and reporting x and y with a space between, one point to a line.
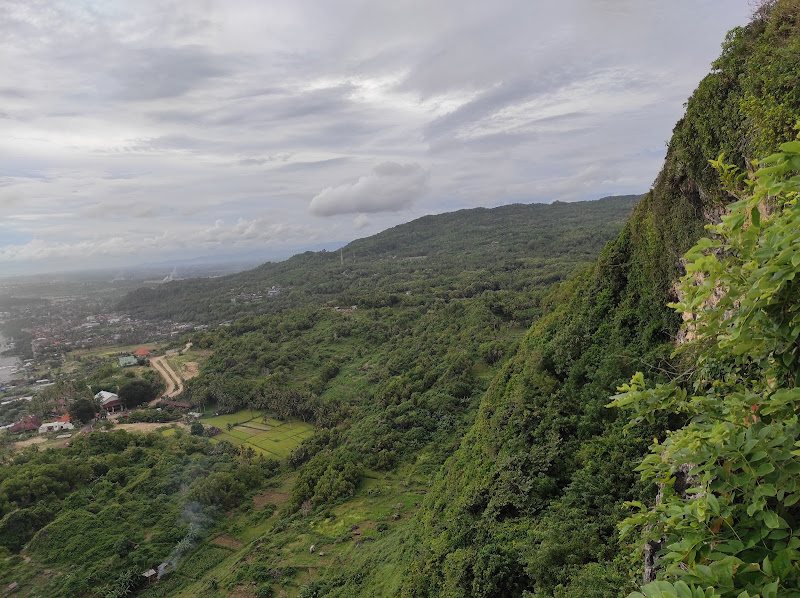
27 424
142 353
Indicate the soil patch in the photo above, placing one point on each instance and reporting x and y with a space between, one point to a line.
190 370
242 592
228 541
262 499
30 441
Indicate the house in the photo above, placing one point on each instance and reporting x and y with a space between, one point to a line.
176 404
62 423
142 354
109 401
27 424
127 361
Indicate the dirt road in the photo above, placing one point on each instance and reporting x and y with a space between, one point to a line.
174 382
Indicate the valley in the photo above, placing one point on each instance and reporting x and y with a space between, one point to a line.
564 400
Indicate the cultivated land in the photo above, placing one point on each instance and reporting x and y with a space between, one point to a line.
374 522
261 432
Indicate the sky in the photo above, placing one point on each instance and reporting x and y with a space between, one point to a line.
142 131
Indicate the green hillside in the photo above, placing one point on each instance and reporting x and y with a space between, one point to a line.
449 255
532 499
458 372
390 388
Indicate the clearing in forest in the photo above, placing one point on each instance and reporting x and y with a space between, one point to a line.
260 431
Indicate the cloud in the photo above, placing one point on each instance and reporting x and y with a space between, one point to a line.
144 123
244 233
390 187
152 73
361 221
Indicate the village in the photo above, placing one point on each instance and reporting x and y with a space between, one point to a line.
56 421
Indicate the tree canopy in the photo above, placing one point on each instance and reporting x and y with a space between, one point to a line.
136 392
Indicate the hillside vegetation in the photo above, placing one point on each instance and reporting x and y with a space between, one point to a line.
455 255
471 440
532 499
389 387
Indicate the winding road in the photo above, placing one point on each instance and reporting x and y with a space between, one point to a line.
173 380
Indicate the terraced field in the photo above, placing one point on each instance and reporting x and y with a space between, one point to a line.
258 430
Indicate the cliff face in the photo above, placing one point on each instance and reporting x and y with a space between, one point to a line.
531 500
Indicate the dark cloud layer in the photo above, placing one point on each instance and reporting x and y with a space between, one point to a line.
175 126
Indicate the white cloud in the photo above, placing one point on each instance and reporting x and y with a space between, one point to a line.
131 128
361 221
390 187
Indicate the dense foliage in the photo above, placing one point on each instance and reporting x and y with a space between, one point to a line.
531 500
113 505
401 371
731 522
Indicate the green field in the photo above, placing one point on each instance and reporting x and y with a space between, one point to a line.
262 433
113 350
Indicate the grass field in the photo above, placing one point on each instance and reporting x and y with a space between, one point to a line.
259 431
190 357
110 350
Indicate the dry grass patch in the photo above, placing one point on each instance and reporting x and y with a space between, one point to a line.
228 541
262 499
242 592
190 370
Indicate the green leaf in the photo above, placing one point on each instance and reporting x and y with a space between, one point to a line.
713 503
790 147
764 469
771 519
770 590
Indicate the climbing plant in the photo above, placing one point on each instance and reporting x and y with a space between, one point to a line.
735 531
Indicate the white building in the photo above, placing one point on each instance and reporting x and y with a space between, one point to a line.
56 426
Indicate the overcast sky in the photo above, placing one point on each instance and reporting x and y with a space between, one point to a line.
134 131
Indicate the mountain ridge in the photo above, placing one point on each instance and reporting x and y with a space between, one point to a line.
480 237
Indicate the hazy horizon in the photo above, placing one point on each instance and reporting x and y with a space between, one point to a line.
158 132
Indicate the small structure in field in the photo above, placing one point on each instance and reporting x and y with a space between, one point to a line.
127 361
27 424
176 404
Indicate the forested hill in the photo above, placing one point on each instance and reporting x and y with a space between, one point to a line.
456 254
464 445
531 502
